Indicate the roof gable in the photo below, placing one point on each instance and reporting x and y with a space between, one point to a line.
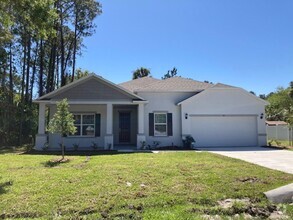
91 87
218 88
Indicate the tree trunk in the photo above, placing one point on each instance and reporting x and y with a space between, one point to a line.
34 72
23 73
22 92
62 47
41 69
28 62
74 44
57 71
10 74
50 80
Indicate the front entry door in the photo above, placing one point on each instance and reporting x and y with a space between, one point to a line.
124 127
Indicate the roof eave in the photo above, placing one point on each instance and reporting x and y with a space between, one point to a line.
75 83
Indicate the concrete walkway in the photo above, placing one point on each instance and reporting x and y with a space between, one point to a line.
267 157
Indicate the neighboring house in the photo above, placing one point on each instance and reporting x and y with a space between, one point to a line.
149 110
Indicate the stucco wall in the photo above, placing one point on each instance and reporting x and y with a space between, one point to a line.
164 102
225 101
83 142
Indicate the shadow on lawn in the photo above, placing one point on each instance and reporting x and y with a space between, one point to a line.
3 186
82 153
15 149
25 150
54 163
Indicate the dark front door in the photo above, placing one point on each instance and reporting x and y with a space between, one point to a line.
124 127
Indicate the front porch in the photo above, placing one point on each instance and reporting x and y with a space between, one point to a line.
117 125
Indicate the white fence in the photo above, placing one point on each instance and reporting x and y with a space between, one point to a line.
280 133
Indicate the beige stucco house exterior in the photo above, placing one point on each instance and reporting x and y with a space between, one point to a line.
149 111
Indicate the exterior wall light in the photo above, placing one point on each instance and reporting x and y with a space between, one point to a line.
261 116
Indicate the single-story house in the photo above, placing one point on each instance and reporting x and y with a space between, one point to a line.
149 111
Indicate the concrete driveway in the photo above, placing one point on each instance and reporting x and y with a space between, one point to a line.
267 157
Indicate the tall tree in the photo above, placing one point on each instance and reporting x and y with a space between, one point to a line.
85 11
170 73
281 106
141 72
40 41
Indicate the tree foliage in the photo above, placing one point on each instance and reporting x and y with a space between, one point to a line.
170 73
141 72
40 41
62 122
291 90
281 105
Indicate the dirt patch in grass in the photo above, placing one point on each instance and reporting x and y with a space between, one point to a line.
248 179
4 186
244 207
55 162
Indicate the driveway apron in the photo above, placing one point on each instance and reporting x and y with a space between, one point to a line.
276 159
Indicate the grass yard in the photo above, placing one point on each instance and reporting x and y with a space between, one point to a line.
281 144
183 185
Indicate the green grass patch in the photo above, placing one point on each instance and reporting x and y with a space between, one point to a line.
280 144
182 185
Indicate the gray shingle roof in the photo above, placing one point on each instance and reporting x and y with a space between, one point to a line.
148 84
137 84
221 85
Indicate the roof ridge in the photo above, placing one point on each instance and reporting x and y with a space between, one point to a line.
222 85
176 83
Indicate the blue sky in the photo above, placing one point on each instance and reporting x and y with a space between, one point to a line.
247 43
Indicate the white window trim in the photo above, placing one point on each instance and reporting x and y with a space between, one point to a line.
166 123
81 125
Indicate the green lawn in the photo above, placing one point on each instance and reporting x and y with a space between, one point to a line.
281 144
183 185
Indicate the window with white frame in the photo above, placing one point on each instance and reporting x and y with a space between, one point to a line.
85 125
160 124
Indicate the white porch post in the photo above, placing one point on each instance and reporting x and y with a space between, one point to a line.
109 118
109 128
141 135
140 118
41 137
42 117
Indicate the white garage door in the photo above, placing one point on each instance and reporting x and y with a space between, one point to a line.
221 131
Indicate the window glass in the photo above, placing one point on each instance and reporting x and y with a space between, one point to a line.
160 123
77 119
88 130
160 118
160 130
88 119
85 124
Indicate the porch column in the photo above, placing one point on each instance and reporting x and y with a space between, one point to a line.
42 112
141 144
109 128
41 137
140 118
